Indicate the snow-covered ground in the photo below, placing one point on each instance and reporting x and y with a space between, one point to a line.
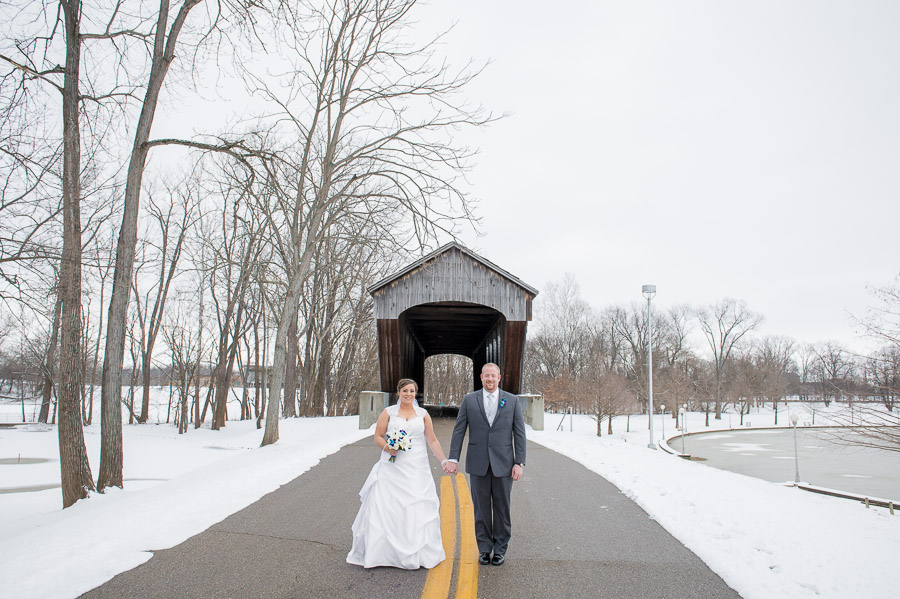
176 486
766 540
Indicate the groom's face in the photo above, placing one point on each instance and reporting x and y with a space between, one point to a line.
490 379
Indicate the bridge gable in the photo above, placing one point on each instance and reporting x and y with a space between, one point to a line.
453 274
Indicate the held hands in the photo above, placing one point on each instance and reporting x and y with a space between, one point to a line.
449 467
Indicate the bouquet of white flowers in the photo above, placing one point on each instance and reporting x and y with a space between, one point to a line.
398 440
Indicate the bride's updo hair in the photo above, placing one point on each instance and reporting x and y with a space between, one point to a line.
404 382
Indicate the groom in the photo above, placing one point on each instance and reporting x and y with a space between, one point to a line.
494 459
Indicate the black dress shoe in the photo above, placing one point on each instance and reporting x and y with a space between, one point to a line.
498 559
484 559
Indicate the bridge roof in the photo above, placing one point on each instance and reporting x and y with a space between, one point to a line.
443 250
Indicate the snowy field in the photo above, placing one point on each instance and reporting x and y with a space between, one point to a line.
766 540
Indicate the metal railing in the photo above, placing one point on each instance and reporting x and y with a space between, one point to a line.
570 413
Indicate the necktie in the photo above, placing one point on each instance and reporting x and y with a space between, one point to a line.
492 407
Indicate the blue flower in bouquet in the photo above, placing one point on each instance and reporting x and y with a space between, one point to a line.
398 440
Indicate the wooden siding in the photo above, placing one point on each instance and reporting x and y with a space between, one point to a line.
514 358
453 276
389 354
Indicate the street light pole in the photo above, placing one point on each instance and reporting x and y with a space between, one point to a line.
649 291
794 419
683 429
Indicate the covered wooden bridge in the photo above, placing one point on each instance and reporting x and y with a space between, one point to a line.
452 301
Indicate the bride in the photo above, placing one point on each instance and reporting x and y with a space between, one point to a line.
398 523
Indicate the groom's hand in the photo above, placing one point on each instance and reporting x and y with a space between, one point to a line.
450 467
517 472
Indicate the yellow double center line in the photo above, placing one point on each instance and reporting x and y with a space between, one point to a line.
437 585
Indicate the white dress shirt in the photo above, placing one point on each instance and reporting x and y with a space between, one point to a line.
490 405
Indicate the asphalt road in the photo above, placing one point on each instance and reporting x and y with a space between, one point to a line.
574 535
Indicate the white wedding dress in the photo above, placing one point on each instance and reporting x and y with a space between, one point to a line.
398 523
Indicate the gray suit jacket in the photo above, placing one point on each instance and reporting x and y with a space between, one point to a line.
500 445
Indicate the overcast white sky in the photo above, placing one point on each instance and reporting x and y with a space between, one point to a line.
713 148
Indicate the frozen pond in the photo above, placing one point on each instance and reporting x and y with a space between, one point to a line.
769 455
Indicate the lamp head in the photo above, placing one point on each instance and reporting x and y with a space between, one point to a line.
649 291
794 419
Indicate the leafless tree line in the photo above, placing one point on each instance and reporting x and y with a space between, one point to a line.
241 260
708 358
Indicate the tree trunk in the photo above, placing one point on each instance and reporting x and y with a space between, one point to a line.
225 369
145 376
718 396
259 377
111 392
276 376
96 362
50 365
290 373
75 471
159 306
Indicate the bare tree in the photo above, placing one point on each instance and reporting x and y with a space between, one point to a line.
567 330
882 323
162 41
173 219
612 397
806 359
773 361
447 379
874 423
833 370
882 319
76 472
181 340
744 381
882 374
49 365
866 424
337 315
232 261
360 149
724 324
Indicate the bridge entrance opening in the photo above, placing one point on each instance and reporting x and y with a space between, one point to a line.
448 377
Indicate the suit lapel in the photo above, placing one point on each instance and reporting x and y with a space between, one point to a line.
479 399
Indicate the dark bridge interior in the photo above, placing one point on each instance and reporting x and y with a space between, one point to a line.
450 327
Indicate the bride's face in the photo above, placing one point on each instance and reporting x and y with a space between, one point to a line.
408 393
